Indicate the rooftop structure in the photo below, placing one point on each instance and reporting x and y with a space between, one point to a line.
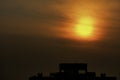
72 71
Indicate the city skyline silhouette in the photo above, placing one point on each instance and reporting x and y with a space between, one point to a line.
72 71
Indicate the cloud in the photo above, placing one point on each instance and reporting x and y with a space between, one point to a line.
28 17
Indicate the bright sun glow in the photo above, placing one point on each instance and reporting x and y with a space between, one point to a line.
85 28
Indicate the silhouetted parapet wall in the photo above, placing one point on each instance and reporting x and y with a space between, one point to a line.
73 67
104 77
39 76
72 71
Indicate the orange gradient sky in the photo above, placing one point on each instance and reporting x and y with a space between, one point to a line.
87 21
35 34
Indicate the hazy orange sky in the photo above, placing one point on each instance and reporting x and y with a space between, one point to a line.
35 33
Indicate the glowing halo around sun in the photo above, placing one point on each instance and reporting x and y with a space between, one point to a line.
85 28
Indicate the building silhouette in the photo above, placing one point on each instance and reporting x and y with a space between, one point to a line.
72 71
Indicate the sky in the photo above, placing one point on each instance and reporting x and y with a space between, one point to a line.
37 35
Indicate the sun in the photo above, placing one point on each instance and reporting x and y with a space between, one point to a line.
84 31
85 28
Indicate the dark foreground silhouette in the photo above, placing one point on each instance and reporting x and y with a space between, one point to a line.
72 71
